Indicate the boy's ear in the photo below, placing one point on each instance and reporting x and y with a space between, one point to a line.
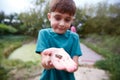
73 19
49 16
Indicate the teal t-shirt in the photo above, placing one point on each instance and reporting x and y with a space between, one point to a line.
47 38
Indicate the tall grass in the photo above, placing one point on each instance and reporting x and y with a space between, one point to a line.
107 46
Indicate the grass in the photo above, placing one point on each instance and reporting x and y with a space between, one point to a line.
107 46
7 45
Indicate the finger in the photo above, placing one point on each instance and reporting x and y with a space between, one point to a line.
47 52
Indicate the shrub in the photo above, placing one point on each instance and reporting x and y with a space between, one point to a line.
11 48
4 29
3 73
112 65
107 46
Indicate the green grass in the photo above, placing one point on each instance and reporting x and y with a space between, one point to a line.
8 44
107 46
104 44
112 65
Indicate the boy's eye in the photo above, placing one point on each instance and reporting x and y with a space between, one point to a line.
57 18
67 20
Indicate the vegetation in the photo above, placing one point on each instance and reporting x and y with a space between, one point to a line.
101 19
4 29
10 43
17 69
107 46
7 45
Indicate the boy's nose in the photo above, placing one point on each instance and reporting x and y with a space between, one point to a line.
62 23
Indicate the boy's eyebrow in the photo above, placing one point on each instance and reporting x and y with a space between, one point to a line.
57 15
61 15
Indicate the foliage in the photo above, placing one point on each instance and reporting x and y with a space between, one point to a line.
101 19
10 20
22 70
11 48
4 29
34 20
11 64
3 73
104 43
112 65
107 46
9 43
2 16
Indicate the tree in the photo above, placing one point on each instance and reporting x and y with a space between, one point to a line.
2 16
101 19
33 20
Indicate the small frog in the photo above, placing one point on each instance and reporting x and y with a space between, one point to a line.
58 56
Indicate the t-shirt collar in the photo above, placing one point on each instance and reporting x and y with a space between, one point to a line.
66 34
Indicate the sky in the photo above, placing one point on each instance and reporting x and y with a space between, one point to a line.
14 6
17 6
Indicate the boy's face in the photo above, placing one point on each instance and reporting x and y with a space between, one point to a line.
60 22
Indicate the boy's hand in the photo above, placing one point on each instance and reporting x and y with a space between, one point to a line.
62 60
58 58
46 59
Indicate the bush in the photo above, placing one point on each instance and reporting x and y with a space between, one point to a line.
3 73
4 29
107 46
11 48
108 43
112 65
9 43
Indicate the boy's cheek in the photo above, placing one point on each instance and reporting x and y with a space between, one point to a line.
54 23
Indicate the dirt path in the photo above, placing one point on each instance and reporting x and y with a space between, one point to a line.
89 57
86 71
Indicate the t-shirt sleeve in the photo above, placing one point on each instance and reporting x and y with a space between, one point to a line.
76 50
41 41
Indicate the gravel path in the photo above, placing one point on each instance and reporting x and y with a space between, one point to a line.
89 57
86 71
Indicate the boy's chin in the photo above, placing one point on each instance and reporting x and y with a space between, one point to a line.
60 32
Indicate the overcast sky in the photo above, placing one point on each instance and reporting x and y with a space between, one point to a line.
17 6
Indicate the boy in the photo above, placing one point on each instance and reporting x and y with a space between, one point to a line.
61 16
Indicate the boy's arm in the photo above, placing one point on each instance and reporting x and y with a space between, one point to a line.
75 59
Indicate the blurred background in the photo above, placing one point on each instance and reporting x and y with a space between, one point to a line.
97 24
